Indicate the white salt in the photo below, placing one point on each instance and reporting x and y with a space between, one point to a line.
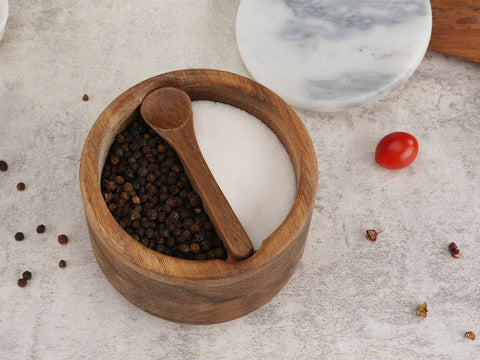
250 165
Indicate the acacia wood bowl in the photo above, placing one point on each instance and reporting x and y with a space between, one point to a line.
199 291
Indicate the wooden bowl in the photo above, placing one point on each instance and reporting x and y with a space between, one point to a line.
199 291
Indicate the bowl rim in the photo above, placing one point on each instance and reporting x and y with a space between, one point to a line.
167 268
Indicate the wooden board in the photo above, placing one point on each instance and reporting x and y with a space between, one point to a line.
456 28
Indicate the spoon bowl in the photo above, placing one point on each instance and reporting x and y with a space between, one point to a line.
166 108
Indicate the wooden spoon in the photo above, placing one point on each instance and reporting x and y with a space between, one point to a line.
168 111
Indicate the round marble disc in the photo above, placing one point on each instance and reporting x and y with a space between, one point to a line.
331 55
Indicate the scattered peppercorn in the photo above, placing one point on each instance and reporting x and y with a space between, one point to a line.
3 166
85 97
454 251
22 282
27 275
470 335
422 310
456 254
20 186
371 235
19 236
148 192
452 247
62 263
63 239
41 229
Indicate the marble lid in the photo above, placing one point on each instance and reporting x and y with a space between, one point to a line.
331 55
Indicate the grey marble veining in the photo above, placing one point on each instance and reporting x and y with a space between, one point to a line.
339 19
333 55
348 299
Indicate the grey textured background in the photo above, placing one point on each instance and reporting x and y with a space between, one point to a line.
349 299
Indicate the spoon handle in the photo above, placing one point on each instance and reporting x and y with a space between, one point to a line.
221 214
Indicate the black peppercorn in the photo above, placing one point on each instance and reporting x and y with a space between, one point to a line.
152 168
208 226
194 228
3 165
136 185
19 236
184 248
114 160
22 282
150 158
129 175
151 178
135 215
174 190
135 200
119 152
144 198
120 139
27 275
195 200
135 224
205 245
177 232
108 196
171 202
127 187
142 171
174 216
62 263
195 248
176 168
41 229
151 189
149 233
199 237
111 185
151 214
170 242
186 235
63 239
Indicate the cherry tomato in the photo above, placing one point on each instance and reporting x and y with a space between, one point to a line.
396 150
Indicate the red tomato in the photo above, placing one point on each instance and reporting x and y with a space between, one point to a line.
396 150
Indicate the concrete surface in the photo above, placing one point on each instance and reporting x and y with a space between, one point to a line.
349 298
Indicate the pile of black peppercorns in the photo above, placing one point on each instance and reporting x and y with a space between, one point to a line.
148 193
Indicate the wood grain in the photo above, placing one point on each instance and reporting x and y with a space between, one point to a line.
168 111
456 28
210 291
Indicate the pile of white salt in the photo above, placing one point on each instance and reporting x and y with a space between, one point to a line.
250 165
